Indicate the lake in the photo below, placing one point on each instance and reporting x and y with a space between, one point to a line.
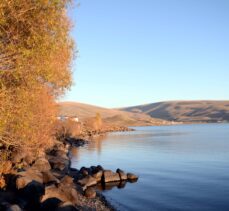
180 167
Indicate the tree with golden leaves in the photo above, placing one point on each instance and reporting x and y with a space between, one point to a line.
35 56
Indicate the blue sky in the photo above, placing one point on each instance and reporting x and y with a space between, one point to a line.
134 52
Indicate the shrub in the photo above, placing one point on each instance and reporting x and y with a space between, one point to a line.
67 128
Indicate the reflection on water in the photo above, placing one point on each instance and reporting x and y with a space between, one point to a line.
182 167
111 185
96 144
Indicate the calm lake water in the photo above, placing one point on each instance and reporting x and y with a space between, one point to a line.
183 167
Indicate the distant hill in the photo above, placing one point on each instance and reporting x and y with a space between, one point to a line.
185 111
111 116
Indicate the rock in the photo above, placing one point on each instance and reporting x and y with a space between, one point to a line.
98 175
58 174
78 176
14 207
52 191
84 172
59 163
76 141
131 176
89 171
67 180
99 168
59 166
21 182
67 206
42 164
31 195
74 172
62 191
93 169
122 174
87 181
90 193
28 176
133 180
50 204
109 176
48 177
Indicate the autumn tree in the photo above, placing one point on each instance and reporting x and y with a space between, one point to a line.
35 56
94 123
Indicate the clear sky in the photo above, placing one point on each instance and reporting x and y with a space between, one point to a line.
134 52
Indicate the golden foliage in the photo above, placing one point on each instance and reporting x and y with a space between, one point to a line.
35 57
5 167
67 128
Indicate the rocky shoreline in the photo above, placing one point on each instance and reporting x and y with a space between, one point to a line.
49 183
88 133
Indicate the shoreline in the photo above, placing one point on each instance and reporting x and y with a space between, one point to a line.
99 198
36 184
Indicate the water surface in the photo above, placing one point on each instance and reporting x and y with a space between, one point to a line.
183 167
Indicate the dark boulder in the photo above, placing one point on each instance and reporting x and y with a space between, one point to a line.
109 176
99 168
93 169
122 174
50 204
74 173
86 171
131 176
59 163
98 175
31 194
87 181
64 191
48 177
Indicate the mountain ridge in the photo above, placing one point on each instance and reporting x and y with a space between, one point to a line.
185 110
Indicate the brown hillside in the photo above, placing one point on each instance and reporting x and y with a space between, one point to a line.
111 116
185 111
